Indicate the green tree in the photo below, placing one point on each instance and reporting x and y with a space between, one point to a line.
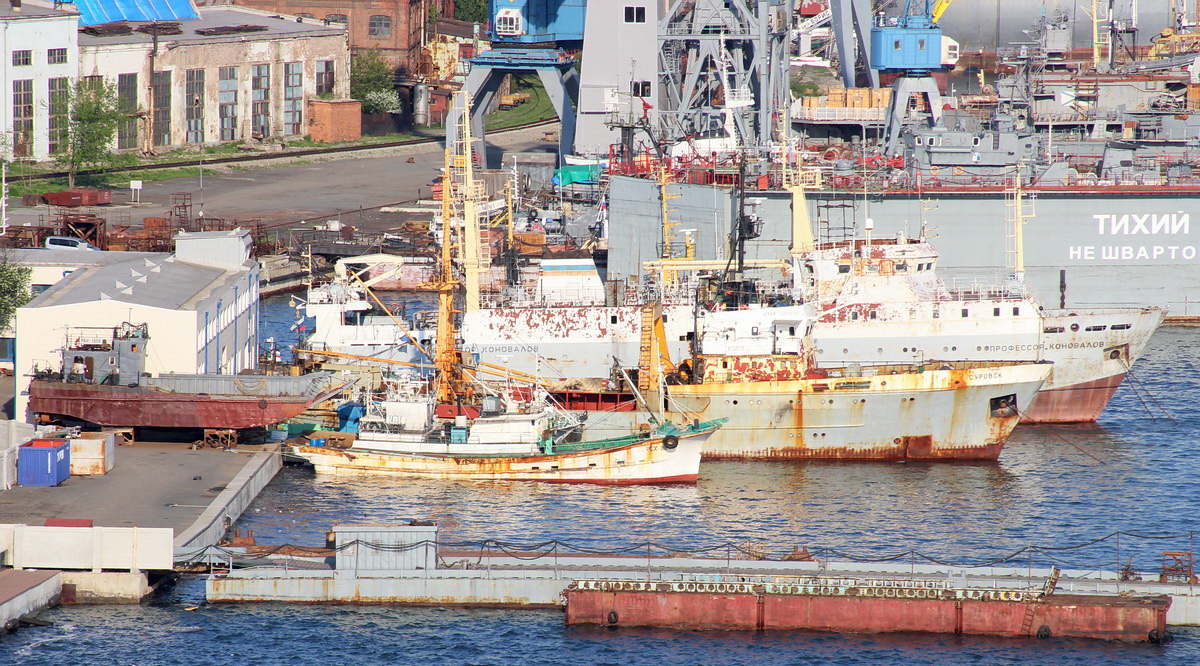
84 123
474 11
371 80
14 289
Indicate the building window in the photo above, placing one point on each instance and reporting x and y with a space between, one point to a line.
57 125
305 15
22 118
194 98
335 18
293 102
8 348
127 94
57 56
641 88
635 14
22 58
228 101
380 26
325 77
161 83
260 88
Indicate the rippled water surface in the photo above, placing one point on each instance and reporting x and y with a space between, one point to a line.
1053 486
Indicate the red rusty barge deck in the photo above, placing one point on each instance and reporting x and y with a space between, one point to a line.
865 606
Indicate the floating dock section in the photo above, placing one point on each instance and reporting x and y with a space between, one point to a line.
865 606
390 564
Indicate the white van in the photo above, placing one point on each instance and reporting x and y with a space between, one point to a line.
68 243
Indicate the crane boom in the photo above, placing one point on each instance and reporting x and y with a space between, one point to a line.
939 8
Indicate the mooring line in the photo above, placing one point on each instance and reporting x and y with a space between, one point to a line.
1137 382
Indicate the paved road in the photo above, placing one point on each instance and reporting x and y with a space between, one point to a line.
305 189
151 485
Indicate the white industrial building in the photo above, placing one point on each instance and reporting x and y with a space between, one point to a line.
40 52
47 268
234 74
200 306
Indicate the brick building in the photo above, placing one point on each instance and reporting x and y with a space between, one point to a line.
397 27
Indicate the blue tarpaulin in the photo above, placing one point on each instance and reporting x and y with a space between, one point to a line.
95 12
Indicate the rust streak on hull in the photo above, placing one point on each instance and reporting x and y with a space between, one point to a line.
1077 403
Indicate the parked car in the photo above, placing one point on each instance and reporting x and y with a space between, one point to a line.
68 243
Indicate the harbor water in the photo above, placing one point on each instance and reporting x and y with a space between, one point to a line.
1053 487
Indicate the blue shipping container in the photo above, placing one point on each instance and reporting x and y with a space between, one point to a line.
44 462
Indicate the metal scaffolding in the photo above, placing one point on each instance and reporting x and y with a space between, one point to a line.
723 65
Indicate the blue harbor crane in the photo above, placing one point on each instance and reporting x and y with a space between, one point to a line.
529 36
909 44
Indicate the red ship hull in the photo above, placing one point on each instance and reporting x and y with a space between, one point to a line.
1077 403
122 406
724 607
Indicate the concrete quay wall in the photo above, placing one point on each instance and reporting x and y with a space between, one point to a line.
211 526
27 593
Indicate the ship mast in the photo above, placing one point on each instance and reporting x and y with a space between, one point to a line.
669 275
1019 211
460 196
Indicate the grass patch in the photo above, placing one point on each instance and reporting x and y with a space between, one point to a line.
112 181
539 107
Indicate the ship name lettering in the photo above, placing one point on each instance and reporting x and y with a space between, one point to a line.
1150 224
507 349
1132 252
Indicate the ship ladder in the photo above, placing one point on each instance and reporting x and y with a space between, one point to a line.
647 361
1027 621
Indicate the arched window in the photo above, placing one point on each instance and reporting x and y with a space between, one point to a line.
306 16
335 18
380 26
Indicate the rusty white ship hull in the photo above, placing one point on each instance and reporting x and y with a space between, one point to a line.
656 459
1092 350
963 413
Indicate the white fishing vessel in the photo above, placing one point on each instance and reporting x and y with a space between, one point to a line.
880 301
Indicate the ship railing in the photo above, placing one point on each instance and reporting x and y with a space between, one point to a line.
839 114
977 289
522 297
264 386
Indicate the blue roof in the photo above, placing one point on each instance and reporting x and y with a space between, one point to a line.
96 12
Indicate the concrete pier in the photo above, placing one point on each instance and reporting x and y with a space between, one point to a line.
196 494
26 593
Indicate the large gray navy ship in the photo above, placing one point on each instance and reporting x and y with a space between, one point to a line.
1106 151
